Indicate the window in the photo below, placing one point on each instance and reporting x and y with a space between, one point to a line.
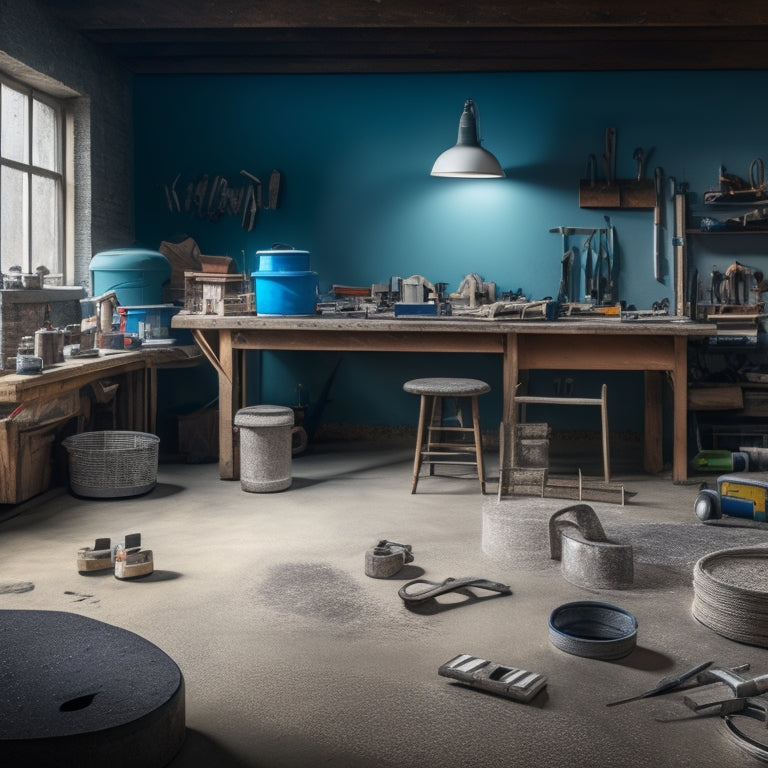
31 180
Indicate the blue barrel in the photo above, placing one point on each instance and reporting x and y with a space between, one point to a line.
283 283
136 275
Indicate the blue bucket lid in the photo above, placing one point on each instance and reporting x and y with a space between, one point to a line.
272 251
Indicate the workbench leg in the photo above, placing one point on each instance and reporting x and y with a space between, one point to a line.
228 398
680 401
653 460
511 376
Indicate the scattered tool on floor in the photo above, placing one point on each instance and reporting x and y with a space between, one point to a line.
517 684
96 558
420 590
101 556
725 692
387 558
665 685
740 494
132 562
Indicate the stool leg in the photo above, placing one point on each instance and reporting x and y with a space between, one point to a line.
478 443
604 417
419 442
435 420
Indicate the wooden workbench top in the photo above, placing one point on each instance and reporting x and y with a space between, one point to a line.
15 387
419 324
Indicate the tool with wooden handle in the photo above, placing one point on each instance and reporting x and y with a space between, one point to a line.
659 181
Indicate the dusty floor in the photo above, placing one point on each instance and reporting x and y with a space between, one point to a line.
292 656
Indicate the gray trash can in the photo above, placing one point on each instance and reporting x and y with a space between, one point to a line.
265 447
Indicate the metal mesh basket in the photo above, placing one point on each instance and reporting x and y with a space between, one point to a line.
111 464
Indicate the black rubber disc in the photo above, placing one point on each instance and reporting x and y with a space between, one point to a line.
78 692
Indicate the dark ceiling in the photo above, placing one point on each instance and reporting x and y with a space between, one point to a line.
250 36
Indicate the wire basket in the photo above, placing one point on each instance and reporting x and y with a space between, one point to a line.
112 464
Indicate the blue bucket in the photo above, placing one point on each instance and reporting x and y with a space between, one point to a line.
286 293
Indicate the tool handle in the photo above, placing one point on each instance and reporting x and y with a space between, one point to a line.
739 685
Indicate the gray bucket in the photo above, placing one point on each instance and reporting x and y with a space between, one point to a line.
265 447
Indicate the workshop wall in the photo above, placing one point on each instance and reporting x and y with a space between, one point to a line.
355 152
42 52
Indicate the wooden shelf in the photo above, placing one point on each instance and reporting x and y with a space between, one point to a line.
729 232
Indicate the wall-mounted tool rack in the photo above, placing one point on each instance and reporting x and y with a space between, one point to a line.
589 272
622 193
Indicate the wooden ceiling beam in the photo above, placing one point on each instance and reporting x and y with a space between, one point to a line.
461 14
233 36
476 50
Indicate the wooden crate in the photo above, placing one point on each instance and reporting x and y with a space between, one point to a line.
217 294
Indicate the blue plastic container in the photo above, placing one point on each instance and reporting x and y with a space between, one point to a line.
151 321
285 293
282 261
136 275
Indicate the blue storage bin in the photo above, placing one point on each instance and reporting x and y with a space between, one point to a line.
152 321
136 275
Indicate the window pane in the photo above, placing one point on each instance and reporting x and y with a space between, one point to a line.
14 142
14 235
45 224
44 138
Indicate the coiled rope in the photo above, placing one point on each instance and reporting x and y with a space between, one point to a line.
731 594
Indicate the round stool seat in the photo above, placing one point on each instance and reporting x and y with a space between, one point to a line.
447 387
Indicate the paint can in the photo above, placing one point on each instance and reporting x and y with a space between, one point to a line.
29 364
49 345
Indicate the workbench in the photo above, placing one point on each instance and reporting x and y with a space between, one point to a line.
34 406
570 344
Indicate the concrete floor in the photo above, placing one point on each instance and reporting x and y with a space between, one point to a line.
292 656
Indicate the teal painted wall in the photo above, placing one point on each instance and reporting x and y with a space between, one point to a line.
356 151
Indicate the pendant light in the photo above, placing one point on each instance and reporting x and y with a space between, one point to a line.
467 159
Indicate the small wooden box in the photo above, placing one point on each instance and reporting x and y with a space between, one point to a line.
217 294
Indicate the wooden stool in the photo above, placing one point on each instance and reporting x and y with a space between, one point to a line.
436 451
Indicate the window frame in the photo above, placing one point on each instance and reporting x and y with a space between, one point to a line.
61 176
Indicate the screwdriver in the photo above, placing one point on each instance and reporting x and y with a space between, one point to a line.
665 684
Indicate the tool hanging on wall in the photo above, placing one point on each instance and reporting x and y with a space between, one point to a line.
252 202
659 185
213 197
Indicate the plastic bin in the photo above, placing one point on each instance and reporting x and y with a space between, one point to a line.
136 275
151 321
265 447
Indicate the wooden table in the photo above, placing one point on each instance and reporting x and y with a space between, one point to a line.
34 406
595 345
138 366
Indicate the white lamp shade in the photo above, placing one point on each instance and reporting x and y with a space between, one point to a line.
467 159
